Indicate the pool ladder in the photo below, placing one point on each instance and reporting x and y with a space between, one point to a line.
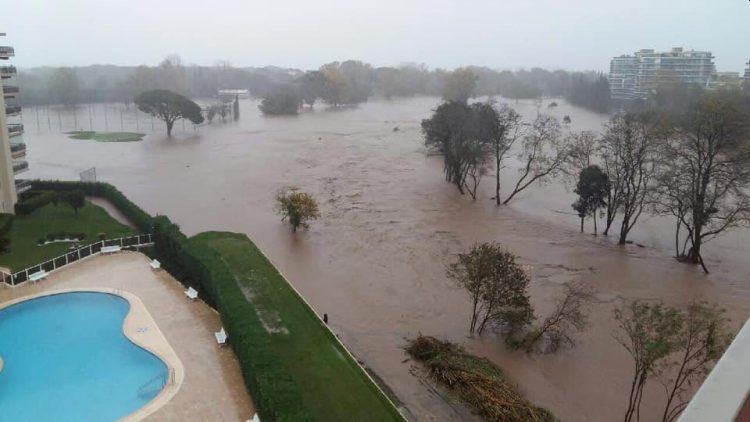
153 386
150 388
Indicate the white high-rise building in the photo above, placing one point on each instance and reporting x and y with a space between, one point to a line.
12 147
637 76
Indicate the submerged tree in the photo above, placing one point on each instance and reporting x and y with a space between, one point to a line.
337 89
464 135
296 207
629 148
311 86
497 286
649 332
169 107
702 341
283 99
705 174
544 154
569 315
507 129
592 189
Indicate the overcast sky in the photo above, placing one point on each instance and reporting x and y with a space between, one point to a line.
567 34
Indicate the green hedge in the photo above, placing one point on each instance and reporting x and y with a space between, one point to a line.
6 221
276 396
133 212
30 203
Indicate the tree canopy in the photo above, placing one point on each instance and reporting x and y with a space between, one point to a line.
169 106
592 189
283 99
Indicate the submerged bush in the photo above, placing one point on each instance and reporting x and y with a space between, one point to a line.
476 381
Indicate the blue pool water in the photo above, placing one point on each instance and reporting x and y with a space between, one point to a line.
66 358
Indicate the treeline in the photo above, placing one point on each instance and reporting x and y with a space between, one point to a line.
693 166
347 82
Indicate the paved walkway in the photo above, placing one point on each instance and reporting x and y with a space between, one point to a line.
213 389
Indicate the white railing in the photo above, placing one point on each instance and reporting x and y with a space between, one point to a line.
75 255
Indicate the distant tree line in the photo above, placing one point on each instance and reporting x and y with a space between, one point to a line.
337 83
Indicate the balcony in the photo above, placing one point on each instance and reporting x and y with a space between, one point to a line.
17 150
12 110
22 185
7 71
15 129
7 52
10 91
20 166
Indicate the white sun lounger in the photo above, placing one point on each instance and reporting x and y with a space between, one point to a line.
255 418
110 249
38 276
155 264
221 337
191 293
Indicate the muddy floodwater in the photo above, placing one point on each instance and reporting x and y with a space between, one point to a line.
375 261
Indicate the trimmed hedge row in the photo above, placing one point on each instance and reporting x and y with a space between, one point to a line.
276 396
133 212
6 221
31 203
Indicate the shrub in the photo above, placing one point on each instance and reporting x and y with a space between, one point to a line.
476 381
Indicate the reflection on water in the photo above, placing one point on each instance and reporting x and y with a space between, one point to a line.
375 262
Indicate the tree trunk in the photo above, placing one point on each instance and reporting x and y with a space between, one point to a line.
596 231
624 230
169 128
497 173
581 224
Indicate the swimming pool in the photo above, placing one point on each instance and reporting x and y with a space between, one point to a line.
66 358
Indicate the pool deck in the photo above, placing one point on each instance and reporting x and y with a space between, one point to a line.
211 385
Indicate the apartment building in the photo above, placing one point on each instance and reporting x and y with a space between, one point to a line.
12 147
637 76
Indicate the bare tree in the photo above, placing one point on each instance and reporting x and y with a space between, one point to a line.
496 284
510 129
584 148
650 333
706 172
702 341
629 148
543 155
570 314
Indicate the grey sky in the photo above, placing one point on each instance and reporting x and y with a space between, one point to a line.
573 34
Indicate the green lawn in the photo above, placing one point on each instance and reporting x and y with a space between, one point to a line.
107 136
333 385
28 229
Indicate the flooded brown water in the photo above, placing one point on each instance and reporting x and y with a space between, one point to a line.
375 261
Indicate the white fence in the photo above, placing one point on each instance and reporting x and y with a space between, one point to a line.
75 255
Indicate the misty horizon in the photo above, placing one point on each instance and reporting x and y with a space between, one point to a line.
438 34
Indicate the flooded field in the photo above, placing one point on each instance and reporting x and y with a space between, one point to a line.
375 261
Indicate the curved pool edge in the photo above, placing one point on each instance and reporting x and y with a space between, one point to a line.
151 340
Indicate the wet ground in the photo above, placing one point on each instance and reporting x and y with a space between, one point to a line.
375 261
